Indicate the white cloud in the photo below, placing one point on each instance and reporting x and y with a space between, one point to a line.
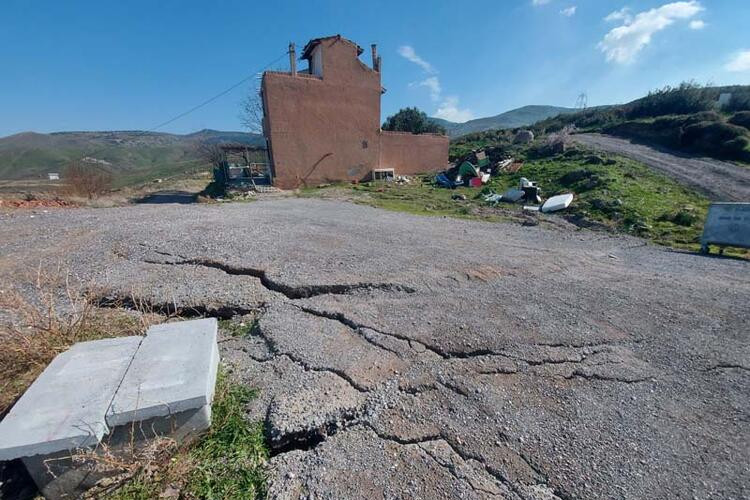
408 53
448 107
697 24
433 84
739 63
569 11
623 15
539 2
622 44
449 110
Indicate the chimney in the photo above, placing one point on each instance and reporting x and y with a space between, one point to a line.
380 62
292 59
375 58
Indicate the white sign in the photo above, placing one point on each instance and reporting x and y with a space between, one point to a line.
727 224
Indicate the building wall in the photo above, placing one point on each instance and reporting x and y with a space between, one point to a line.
411 154
323 129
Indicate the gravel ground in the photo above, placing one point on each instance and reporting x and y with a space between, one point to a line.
399 356
720 181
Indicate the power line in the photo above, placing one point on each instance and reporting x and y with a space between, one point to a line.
206 102
217 96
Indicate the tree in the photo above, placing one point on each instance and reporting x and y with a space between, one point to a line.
85 179
252 112
412 120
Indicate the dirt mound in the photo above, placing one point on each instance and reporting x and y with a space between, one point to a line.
36 204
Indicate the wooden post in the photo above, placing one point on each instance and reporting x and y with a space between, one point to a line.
292 59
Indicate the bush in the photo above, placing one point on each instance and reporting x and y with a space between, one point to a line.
741 119
412 120
688 98
84 179
740 100
710 136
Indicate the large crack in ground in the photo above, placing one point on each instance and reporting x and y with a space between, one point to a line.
309 438
290 292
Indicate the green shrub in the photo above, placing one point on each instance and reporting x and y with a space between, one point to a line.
688 98
412 120
741 119
740 100
711 137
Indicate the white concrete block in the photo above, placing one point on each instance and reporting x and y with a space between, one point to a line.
65 407
174 370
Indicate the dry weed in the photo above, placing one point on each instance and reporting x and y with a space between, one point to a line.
44 314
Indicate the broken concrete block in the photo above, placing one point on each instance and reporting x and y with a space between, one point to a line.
135 389
65 407
173 371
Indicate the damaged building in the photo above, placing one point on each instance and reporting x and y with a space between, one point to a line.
322 123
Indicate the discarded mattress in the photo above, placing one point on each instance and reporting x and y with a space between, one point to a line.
559 202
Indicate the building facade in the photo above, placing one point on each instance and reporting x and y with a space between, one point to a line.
322 124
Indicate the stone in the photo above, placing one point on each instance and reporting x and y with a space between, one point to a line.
65 407
173 371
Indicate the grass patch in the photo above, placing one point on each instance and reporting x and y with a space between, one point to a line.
616 192
420 197
242 327
228 462
620 193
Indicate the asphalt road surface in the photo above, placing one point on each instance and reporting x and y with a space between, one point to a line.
400 356
719 180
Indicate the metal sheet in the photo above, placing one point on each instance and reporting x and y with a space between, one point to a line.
727 224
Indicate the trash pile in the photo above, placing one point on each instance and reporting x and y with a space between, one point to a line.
475 169
471 174
528 192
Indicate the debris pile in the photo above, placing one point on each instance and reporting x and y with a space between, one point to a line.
472 170
528 192
35 203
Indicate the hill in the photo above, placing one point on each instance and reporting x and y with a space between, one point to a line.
709 121
131 156
520 117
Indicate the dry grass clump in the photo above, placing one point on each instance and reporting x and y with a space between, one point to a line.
42 316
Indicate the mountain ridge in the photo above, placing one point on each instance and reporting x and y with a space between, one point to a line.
514 118
133 155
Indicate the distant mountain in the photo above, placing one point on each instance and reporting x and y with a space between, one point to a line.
520 117
131 156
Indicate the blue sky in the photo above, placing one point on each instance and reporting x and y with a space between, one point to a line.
103 65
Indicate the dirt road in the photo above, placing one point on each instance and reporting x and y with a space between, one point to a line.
399 356
720 181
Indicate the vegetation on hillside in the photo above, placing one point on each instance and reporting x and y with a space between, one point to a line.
412 120
611 192
686 118
519 117
131 157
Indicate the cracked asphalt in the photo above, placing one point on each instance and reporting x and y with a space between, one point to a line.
399 356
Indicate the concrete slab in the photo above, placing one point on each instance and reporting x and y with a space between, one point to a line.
173 371
65 407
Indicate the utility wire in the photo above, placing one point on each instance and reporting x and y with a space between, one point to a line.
206 102
217 96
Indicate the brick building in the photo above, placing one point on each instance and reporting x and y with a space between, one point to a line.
322 124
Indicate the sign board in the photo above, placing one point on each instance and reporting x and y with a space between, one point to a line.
727 224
